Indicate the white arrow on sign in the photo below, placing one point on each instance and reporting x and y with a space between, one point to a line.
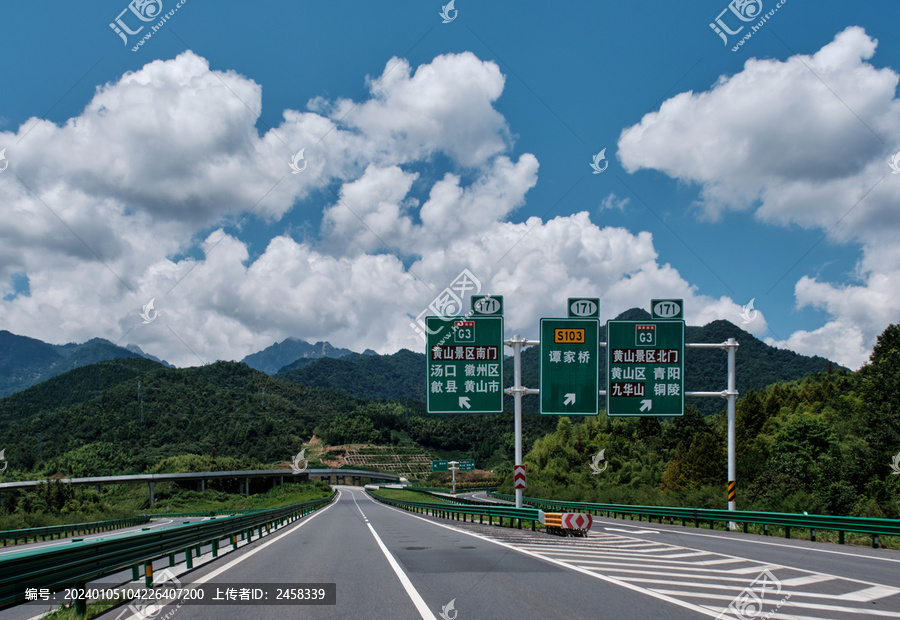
570 398
464 402
646 405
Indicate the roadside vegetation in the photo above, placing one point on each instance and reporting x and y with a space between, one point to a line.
823 444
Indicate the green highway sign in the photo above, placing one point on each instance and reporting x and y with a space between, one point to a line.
569 381
466 465
465 365
645 368
440 466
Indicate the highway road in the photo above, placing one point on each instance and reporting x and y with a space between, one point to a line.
387 563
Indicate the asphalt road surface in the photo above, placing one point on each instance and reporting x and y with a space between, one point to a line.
388 563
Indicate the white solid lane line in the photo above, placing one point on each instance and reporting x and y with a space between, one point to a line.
411 591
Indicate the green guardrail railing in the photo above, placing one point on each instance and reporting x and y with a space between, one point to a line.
204 513
61 531
860 525
459 489
72 565
448 497
454 511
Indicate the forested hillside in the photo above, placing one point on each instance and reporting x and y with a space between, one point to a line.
400 375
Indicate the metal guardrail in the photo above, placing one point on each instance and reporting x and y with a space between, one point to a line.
861 525
206 513
481 510
459 489
73 565
447 497
59 531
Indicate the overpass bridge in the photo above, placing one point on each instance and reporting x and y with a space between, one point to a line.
356 477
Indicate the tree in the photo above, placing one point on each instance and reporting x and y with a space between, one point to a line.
749 419
881 391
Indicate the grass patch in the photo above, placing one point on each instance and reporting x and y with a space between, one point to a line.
408 496
67 612
184 500
131 500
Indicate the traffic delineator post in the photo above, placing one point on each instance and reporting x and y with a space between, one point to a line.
518 476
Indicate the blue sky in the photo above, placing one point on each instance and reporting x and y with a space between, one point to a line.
432 148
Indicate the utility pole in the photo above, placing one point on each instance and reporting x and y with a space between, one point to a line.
453 468
517 391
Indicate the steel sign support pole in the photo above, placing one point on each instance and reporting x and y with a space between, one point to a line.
732 395
517 342
517 410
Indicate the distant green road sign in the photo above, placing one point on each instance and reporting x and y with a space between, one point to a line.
440 466
465 365
466 465
569 381
645 368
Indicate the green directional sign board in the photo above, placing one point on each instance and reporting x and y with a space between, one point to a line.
645 368
465 365
440 465
466 465
569 382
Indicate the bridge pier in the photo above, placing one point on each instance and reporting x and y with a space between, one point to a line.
152 496
201 486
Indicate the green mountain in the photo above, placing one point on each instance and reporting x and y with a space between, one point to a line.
27 361
281 354
94 420
399 375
